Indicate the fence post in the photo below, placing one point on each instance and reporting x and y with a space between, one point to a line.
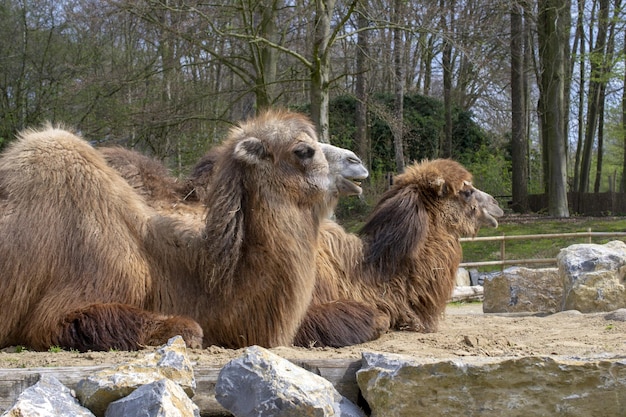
502 253
589 231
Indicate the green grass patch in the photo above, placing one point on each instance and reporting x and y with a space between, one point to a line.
538 249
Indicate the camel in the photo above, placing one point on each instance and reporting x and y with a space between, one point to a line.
399 272
87 264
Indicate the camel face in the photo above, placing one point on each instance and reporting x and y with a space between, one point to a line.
346 169
486 206
470 207
285 144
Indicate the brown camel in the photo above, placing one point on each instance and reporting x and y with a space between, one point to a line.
85 263
399 272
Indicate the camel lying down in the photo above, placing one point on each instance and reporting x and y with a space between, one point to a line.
398 273
86 264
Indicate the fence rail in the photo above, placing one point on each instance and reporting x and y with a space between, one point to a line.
589 235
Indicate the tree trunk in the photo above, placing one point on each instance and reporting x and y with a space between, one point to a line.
518 117
320 72
552 24
593 102
398 117
596 185
265 56
361 138
606 68
622 187
580 35
446 146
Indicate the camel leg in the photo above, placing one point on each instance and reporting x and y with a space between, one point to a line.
101 327
341 323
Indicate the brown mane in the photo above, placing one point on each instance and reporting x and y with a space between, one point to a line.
90 265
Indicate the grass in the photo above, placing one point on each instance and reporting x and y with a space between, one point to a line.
544 248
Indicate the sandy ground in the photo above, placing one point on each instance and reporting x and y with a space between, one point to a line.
465 331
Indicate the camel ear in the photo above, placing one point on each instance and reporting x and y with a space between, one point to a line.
250 150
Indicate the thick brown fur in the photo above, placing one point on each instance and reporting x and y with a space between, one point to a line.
148 176
400 271
85 263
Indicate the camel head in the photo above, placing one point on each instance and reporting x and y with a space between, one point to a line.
280 149
346 169
448 185
430 199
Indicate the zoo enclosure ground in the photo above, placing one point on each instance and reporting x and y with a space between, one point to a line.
465 331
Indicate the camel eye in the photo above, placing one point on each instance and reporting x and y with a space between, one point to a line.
304 152
467 193
353 160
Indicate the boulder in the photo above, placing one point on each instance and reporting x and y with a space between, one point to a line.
169 361
261 383
162 398
465 294
520 289
462 278
593 276
486 387
48 397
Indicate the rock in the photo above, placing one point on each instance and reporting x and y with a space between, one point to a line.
474 293
475 277
617 315
169 361
486 387
162 398
462 278
48 397
260 383
593 276
523 290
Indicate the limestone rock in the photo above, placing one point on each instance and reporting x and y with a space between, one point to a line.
462 278
169 361
162 398
617 315
260 383
493 387
48 397
470 293
593 276
523 290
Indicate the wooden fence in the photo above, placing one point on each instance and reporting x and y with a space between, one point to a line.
588 235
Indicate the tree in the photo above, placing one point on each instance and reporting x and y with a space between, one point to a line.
595 89
446 145
398 116
362 69
519 141
553 25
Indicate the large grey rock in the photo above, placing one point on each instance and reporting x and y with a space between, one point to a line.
593 276
260 383
48 397
162 398
530 386
169 361
520 289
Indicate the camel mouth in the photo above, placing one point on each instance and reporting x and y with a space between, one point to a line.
348 186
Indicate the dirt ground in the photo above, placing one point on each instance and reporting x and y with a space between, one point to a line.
465 331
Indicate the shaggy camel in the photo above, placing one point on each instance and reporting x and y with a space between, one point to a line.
399 272
85 263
